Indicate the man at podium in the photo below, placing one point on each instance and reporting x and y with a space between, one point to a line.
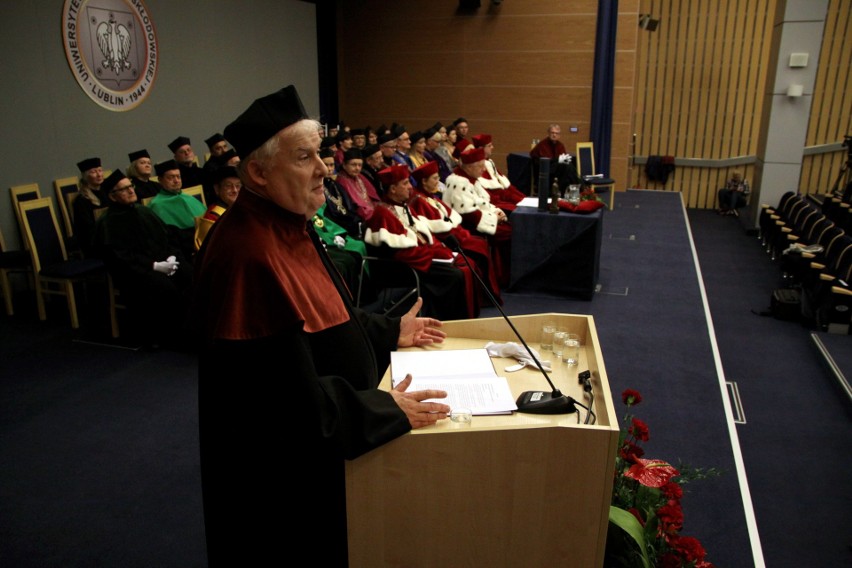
288 369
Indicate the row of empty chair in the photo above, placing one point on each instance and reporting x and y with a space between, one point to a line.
812 243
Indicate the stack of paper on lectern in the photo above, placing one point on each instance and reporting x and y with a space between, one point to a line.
466 374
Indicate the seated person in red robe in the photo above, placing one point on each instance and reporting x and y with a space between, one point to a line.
503 194
446 284
465 194
444 221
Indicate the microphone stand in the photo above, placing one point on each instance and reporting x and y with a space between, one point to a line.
531 402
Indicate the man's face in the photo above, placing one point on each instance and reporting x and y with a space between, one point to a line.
218 148
461 129
353 167
123 192
228 189
489 148
433 142
420 145
388 148
170 180
345 144
94 176
400 191
329 163
359 141
144 166
554 134
372 138
403 143
475 169
293 178
375 161
184 154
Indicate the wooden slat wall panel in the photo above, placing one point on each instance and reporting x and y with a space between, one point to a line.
511 71
699 89
831 107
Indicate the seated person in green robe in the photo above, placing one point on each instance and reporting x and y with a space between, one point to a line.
175 208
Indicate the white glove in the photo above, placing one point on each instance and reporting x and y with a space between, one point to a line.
168 266
517 351
340 241
565 159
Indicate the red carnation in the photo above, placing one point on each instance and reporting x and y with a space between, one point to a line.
640 430
671 518
631 397
689 548
669 560
672 490
630 451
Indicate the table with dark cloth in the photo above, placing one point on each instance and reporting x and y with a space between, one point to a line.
556 254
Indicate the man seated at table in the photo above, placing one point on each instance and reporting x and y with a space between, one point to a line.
503 194
465 194
447 290
552 148
176 209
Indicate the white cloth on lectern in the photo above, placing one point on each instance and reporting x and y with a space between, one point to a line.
517 351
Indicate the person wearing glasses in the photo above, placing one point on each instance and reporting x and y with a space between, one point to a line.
152 274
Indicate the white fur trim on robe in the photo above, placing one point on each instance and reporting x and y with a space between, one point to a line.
466 197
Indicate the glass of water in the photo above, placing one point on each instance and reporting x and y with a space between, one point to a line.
571 349
548 328
559 343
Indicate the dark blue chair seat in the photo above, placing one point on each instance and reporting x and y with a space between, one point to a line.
74 268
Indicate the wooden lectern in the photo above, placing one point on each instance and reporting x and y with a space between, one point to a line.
516 491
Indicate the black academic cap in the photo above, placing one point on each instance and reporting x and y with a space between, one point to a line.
213 140
459 120
109 183
398 130
343 135
328 142
166 166
428 134
358 132
224 172
326 153
387 137
264 118
437 126
178 142
417 136
229 153
369 150
352 154
88 164
381 129
133 156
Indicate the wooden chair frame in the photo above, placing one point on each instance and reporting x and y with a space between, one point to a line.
19 194
197 191
586 155
45 284
13 261
66 190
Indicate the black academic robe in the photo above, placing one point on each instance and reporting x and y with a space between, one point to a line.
145 189
287 377
190 175
130 238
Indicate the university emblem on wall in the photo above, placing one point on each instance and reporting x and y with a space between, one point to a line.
111 48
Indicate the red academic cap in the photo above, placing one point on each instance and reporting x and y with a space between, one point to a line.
473 156
394 174
481 140
424 171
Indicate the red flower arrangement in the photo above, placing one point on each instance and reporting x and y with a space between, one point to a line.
646 516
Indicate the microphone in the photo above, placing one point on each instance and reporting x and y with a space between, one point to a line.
531 402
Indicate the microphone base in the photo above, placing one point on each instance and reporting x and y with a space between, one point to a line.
541 402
